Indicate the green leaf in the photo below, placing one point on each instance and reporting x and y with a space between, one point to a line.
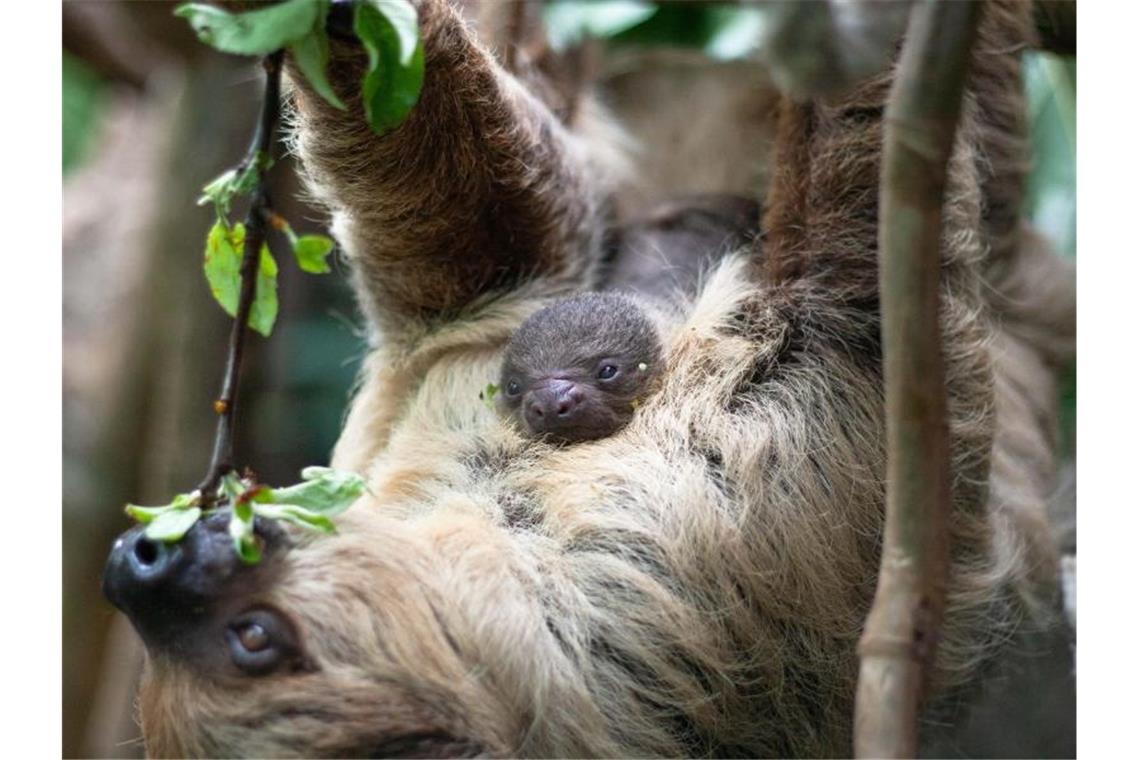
488 395
219 191
401 15
192 499
568 21
261 494
311 252
296 515
222 189
145 515
223 273
391 92
172 524
311 53
263 312
148 514
243 510
391 86
223 264
245 541
231 487
325 491
257 32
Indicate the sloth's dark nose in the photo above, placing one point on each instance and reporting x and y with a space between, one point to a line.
137 564
553 402
141 580
160 586
150 561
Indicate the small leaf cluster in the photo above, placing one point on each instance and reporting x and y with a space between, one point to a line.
390 34
225 244
322 494
388 29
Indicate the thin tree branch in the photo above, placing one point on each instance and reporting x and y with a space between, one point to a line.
516 21
260 148
900 638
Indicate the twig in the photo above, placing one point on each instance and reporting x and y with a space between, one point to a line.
221 461
514 32
900 638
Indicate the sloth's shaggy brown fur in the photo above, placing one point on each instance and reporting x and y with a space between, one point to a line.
696 583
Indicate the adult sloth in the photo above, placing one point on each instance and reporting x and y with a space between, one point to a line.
694 584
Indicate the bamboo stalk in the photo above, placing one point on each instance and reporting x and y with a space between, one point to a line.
900 638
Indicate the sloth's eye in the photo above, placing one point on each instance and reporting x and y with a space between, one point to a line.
259 641
513 388
253 637
607 372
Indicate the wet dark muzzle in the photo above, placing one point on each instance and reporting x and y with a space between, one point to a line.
165 587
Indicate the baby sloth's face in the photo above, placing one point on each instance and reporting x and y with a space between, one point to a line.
576 370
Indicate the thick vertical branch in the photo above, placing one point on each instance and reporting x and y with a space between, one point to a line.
221 461
900 637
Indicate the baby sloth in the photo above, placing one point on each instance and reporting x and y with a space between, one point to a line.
576 370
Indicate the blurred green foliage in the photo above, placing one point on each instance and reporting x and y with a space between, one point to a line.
1051 198
567 21
82 98
722 30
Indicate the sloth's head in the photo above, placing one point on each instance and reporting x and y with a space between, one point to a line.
576 370
352 645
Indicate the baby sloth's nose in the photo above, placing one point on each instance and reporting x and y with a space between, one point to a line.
552 403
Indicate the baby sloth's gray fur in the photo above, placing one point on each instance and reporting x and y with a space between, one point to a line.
578 369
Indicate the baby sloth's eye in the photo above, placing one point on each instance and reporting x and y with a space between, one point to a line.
513 388
607 372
